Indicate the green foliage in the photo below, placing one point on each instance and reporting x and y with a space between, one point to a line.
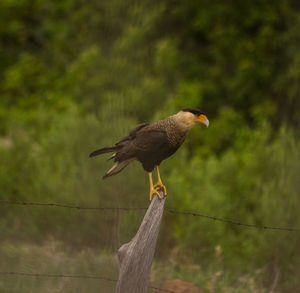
78 75
256 184
58 169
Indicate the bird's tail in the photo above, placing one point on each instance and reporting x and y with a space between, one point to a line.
104 150
117 168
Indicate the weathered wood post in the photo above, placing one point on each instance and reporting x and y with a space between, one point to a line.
135 257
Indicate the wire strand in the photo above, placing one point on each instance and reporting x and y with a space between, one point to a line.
68 206
38 275
232 221
172 211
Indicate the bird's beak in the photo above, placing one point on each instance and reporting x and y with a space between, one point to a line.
203 119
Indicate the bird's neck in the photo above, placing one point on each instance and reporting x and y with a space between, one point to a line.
182 123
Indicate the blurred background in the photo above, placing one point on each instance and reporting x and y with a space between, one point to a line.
77 75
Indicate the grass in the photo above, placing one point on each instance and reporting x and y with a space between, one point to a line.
54 257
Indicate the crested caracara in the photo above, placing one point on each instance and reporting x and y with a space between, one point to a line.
151 143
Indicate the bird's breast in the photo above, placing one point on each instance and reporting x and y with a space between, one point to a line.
175 138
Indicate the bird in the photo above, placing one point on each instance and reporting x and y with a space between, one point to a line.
151 143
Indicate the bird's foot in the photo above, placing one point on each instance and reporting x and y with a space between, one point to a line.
159 186
158 190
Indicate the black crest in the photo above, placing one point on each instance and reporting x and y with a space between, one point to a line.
193 110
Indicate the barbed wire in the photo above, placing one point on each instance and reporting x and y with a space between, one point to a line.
172 211
57 276
69 206
233 222
38 275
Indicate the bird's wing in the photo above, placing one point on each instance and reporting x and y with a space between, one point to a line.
137 128
132 133
144 144
150 140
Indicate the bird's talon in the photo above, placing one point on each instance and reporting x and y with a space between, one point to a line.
159 187
155 191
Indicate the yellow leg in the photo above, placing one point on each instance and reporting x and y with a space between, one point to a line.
152 189
159 183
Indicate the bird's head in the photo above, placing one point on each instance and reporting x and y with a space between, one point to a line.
188 117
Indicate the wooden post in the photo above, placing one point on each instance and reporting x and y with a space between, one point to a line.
135 257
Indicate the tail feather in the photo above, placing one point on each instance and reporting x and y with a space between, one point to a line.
112 156
104 150
117 168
